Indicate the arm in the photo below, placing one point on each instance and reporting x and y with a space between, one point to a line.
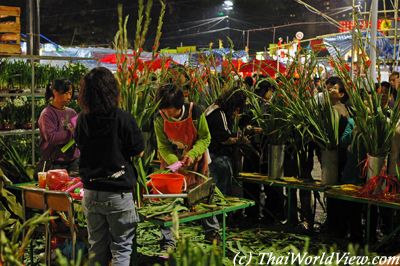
345 139
48 126
203 139
133 142
164 146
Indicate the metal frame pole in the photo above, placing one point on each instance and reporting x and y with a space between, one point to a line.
374 31
396 15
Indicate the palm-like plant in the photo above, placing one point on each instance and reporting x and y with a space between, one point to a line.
296 99
271 117
137 88
375 123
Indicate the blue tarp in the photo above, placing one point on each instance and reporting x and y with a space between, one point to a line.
342 43
191 59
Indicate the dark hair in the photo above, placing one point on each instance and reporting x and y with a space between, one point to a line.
60 85
99 92
385 84
170 96
336 80
263 86
248 81
394 73
231 100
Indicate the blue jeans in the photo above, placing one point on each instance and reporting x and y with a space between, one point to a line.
221 171
111 222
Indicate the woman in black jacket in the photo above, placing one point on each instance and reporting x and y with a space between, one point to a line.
107 137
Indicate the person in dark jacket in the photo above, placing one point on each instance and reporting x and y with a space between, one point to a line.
220 116
108 137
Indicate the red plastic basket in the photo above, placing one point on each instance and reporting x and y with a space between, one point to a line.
171 183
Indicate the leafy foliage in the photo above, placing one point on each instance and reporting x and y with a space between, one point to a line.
137 89
17 74
375 123
14 163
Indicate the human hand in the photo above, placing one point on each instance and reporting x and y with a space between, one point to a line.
397 83
187 161
243 140
70 128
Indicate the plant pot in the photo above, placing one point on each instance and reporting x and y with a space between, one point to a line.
329 167
275 161
8 126
375 165
27 125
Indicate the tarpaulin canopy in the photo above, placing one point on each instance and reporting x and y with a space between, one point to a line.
265 67
235 63
154 64
340 44
158 63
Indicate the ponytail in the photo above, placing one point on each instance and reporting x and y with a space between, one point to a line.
49 92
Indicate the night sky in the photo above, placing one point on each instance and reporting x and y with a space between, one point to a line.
187 22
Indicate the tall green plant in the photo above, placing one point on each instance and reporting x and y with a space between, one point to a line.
192 254
137 88
314 120
12 241
375 123
13 165
271 117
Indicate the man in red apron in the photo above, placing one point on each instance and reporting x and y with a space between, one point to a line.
182 135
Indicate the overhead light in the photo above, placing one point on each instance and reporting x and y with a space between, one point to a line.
228 3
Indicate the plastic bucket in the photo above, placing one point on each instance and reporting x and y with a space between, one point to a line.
171 183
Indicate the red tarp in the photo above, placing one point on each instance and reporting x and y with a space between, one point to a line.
112 58
317 45
265 67
235 63
151 64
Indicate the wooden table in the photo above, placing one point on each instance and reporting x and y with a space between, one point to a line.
184 217
338 193
287 182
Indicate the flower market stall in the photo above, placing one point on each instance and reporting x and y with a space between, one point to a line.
275 162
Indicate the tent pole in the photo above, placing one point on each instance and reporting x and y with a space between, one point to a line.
353 43
248 40
396 15
374 31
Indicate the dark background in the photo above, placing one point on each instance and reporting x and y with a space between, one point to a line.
94 22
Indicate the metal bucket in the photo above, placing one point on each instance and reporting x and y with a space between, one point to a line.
329 167
375 165
275 161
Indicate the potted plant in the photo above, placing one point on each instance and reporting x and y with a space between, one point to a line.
23 112
271 117
375 123
313 120
8 114
137 87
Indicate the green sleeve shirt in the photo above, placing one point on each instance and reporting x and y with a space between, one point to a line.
168 150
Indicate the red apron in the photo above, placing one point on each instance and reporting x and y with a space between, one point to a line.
184 135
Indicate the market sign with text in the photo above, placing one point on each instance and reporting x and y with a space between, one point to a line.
383 25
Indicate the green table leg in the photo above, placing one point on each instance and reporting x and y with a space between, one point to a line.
223 234
368 234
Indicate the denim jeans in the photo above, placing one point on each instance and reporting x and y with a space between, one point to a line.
222 172
111 222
